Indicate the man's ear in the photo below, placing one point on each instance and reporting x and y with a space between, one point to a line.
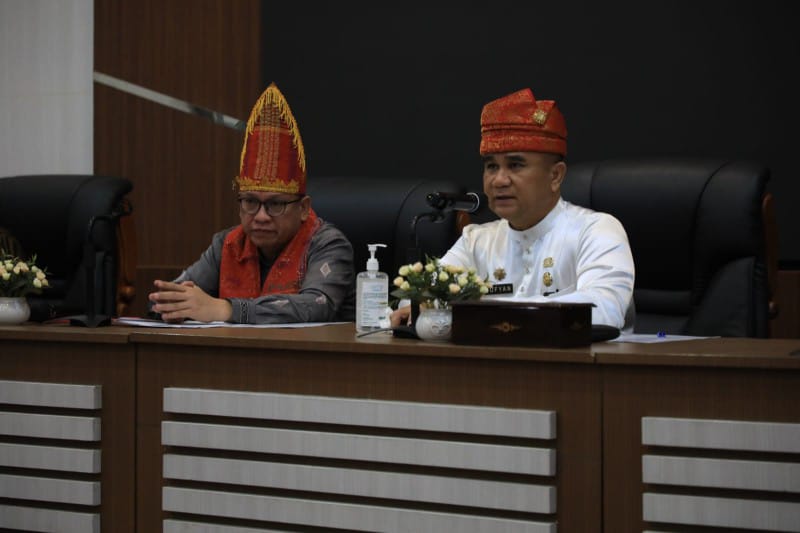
557 173
305 207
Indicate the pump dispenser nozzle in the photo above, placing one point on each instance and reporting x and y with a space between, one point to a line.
372 262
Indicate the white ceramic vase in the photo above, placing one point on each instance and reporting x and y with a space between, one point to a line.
14 310
434 324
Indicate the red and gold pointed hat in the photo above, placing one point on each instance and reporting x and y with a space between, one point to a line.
520 123
273 158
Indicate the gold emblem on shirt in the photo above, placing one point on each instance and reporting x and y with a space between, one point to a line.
547 279
548 262
499 274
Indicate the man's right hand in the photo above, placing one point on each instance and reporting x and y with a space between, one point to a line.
179 301
401 316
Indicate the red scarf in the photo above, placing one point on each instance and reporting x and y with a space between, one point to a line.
239 271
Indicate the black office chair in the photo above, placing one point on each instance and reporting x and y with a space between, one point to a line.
702 236
71 223
392 211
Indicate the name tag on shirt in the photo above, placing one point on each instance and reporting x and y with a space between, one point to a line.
502 288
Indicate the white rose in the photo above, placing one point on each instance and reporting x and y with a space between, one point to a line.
455 288
417 267
37 283
398 281
404 270
443 276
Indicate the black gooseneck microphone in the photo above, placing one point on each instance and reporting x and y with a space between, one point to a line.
441 202
445 201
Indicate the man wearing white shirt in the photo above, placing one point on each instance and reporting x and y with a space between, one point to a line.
543 248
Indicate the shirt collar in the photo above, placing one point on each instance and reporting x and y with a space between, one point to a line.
541 229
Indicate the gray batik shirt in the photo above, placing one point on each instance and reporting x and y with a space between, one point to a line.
327 292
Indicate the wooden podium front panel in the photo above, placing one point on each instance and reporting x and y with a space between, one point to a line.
701 435
67 444
392 375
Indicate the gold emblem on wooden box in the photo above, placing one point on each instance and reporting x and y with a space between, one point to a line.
505 327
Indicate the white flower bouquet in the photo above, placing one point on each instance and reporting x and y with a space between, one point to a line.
436 285
19 278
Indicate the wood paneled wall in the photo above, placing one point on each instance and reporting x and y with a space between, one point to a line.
207 53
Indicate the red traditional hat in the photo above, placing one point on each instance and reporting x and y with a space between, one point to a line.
518 123
273 158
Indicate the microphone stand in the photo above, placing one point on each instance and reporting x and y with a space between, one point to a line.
440 206
434 216
412 256
91 319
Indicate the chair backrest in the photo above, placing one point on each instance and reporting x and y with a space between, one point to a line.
382 210
70 222
697 233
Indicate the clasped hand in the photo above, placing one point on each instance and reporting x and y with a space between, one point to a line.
177 302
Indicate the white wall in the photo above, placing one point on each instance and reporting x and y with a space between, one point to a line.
46 98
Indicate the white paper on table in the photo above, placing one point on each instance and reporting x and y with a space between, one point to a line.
652 338
152 323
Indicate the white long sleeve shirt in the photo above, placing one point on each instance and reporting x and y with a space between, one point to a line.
573 255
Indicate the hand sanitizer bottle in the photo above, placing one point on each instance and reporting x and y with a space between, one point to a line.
372 294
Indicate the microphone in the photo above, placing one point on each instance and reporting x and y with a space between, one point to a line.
445 201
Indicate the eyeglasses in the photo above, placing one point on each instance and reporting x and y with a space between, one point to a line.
274 208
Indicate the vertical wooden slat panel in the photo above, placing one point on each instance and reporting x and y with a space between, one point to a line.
207 53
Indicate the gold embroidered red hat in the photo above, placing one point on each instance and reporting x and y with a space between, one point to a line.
518 123
273 158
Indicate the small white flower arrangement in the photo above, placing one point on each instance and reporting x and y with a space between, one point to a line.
436 285
19 278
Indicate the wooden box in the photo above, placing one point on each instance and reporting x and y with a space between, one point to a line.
493 322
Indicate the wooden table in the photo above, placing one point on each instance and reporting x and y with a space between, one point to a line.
505 439
67 443
701 433
255 429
